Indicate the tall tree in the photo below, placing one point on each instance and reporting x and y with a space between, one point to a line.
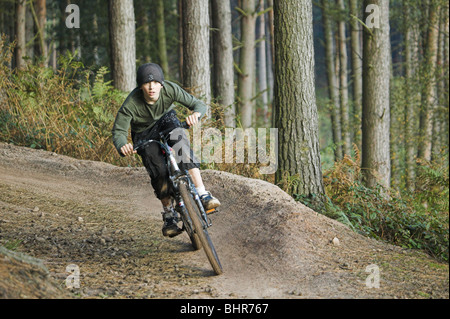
247 62
343 79
41 15
333 88
294 97
271 57
412 95
356 53
29 32
20 33
64 35
223 59
429 76
441 95
262 65
142 32
445 76
123 44
180 40
376 165
161 32
196 60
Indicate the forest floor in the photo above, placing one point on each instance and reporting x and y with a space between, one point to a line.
106 221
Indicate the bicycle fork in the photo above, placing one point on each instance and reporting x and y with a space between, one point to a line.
177 173
206 221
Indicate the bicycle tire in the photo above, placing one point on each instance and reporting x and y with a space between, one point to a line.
196 243
202 233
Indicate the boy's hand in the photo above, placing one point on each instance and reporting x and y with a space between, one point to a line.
193 119
127 149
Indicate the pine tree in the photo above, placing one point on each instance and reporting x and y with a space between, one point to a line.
294 98
122 35
376 165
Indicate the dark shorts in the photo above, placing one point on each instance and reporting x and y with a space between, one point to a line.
154 159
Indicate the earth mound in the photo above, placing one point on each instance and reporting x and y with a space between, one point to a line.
106 220
25 277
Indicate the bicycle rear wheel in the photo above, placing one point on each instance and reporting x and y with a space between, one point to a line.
201 231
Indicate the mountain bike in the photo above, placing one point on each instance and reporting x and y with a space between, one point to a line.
195 220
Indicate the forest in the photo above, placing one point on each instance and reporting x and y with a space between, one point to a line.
357 90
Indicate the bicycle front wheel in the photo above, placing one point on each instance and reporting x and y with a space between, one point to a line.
189 228
201 231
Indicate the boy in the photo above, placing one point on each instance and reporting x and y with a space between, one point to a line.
148 109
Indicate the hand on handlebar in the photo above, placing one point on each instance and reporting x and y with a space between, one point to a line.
127 149
193 119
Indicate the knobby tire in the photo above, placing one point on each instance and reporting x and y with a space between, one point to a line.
189 227
202 233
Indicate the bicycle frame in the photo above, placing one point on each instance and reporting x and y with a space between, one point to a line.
193 216
176 175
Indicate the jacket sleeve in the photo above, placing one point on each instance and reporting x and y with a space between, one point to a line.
120 128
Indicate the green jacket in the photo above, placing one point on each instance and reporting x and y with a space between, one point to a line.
138 114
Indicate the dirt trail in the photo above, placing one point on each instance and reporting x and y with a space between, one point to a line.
106 220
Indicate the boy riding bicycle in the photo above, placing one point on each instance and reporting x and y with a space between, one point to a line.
149 109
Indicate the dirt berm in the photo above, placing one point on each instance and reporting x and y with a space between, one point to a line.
106 221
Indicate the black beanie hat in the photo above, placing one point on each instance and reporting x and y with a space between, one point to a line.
149 72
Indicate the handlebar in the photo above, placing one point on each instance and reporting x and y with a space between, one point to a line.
183 125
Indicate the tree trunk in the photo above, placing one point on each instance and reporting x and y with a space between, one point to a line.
262 66
343 80
180 40
396 138
65 38
247 62
29 33
196 69
440 93
333 89
271 49
142 32
41 14
123 44
271 25
445 79
96 45
295 100
356 70
20 33
161 32
376 165
429 76
223 60
269 54
411 96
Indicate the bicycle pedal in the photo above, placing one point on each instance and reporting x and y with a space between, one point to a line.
211 211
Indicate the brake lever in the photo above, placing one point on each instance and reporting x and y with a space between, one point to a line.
186 126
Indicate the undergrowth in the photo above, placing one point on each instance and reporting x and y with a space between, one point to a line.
69 111
416 219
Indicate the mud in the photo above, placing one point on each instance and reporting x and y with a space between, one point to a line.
106 221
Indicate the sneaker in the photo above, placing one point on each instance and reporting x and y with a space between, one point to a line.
209 202
170 227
